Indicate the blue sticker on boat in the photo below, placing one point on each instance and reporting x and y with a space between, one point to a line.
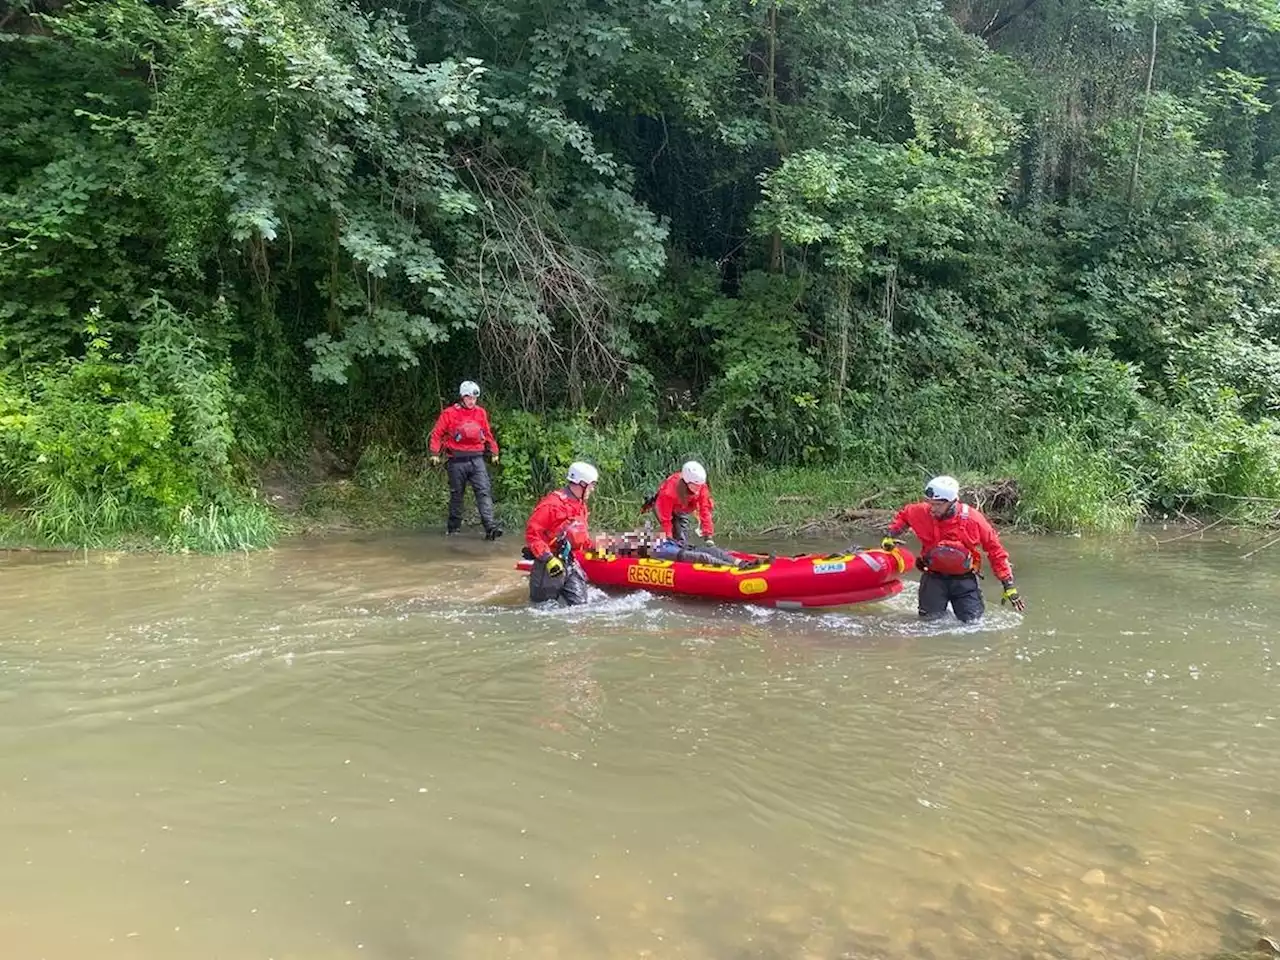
829 567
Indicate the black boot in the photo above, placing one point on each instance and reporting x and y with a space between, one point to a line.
493 533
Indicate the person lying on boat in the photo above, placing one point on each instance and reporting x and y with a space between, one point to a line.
557 527
952 537
669 549
641 543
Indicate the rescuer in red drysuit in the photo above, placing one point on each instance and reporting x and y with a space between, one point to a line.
462 433
557 527
679 496
952 537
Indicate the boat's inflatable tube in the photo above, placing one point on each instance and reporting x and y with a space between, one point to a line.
786 582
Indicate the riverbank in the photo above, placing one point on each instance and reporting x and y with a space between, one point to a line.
765 505
762 503
304 502
314 498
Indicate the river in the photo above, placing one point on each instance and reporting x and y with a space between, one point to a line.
373 748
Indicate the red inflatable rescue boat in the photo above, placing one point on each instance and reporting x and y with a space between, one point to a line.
789 583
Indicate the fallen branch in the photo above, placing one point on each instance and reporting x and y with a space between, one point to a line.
860 513
1269 543
999 498
867 501
1190 520
1227 496
1199 530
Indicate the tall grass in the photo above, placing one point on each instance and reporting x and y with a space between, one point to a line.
63 519
245 526
390 489
63 515
1216 461
1066 487
657 453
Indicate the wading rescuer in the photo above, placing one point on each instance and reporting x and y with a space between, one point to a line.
952 535
557 527
462 432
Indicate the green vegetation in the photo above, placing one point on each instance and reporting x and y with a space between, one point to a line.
827 248
1067 485
767 501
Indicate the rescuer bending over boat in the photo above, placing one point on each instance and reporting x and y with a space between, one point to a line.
680 496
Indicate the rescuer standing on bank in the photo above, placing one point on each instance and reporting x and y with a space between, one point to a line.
462 433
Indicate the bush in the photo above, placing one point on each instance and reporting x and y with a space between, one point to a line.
1210 457
769 386
1088 393
102 447
88 459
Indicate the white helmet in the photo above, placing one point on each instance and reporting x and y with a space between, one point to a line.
469 388
693 472
942 488
580 472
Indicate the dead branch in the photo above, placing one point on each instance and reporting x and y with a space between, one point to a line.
867 501
999 498
544 308
1198 531
999 23
1269 543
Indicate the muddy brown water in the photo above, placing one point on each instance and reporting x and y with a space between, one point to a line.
373 748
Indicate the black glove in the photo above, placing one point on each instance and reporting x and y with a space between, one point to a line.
889 542
555 567
921 565
1011 595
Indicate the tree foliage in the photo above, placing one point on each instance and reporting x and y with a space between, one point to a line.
904 235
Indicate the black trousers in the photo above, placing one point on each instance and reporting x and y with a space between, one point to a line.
680 524
464 470
963 593
569 588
